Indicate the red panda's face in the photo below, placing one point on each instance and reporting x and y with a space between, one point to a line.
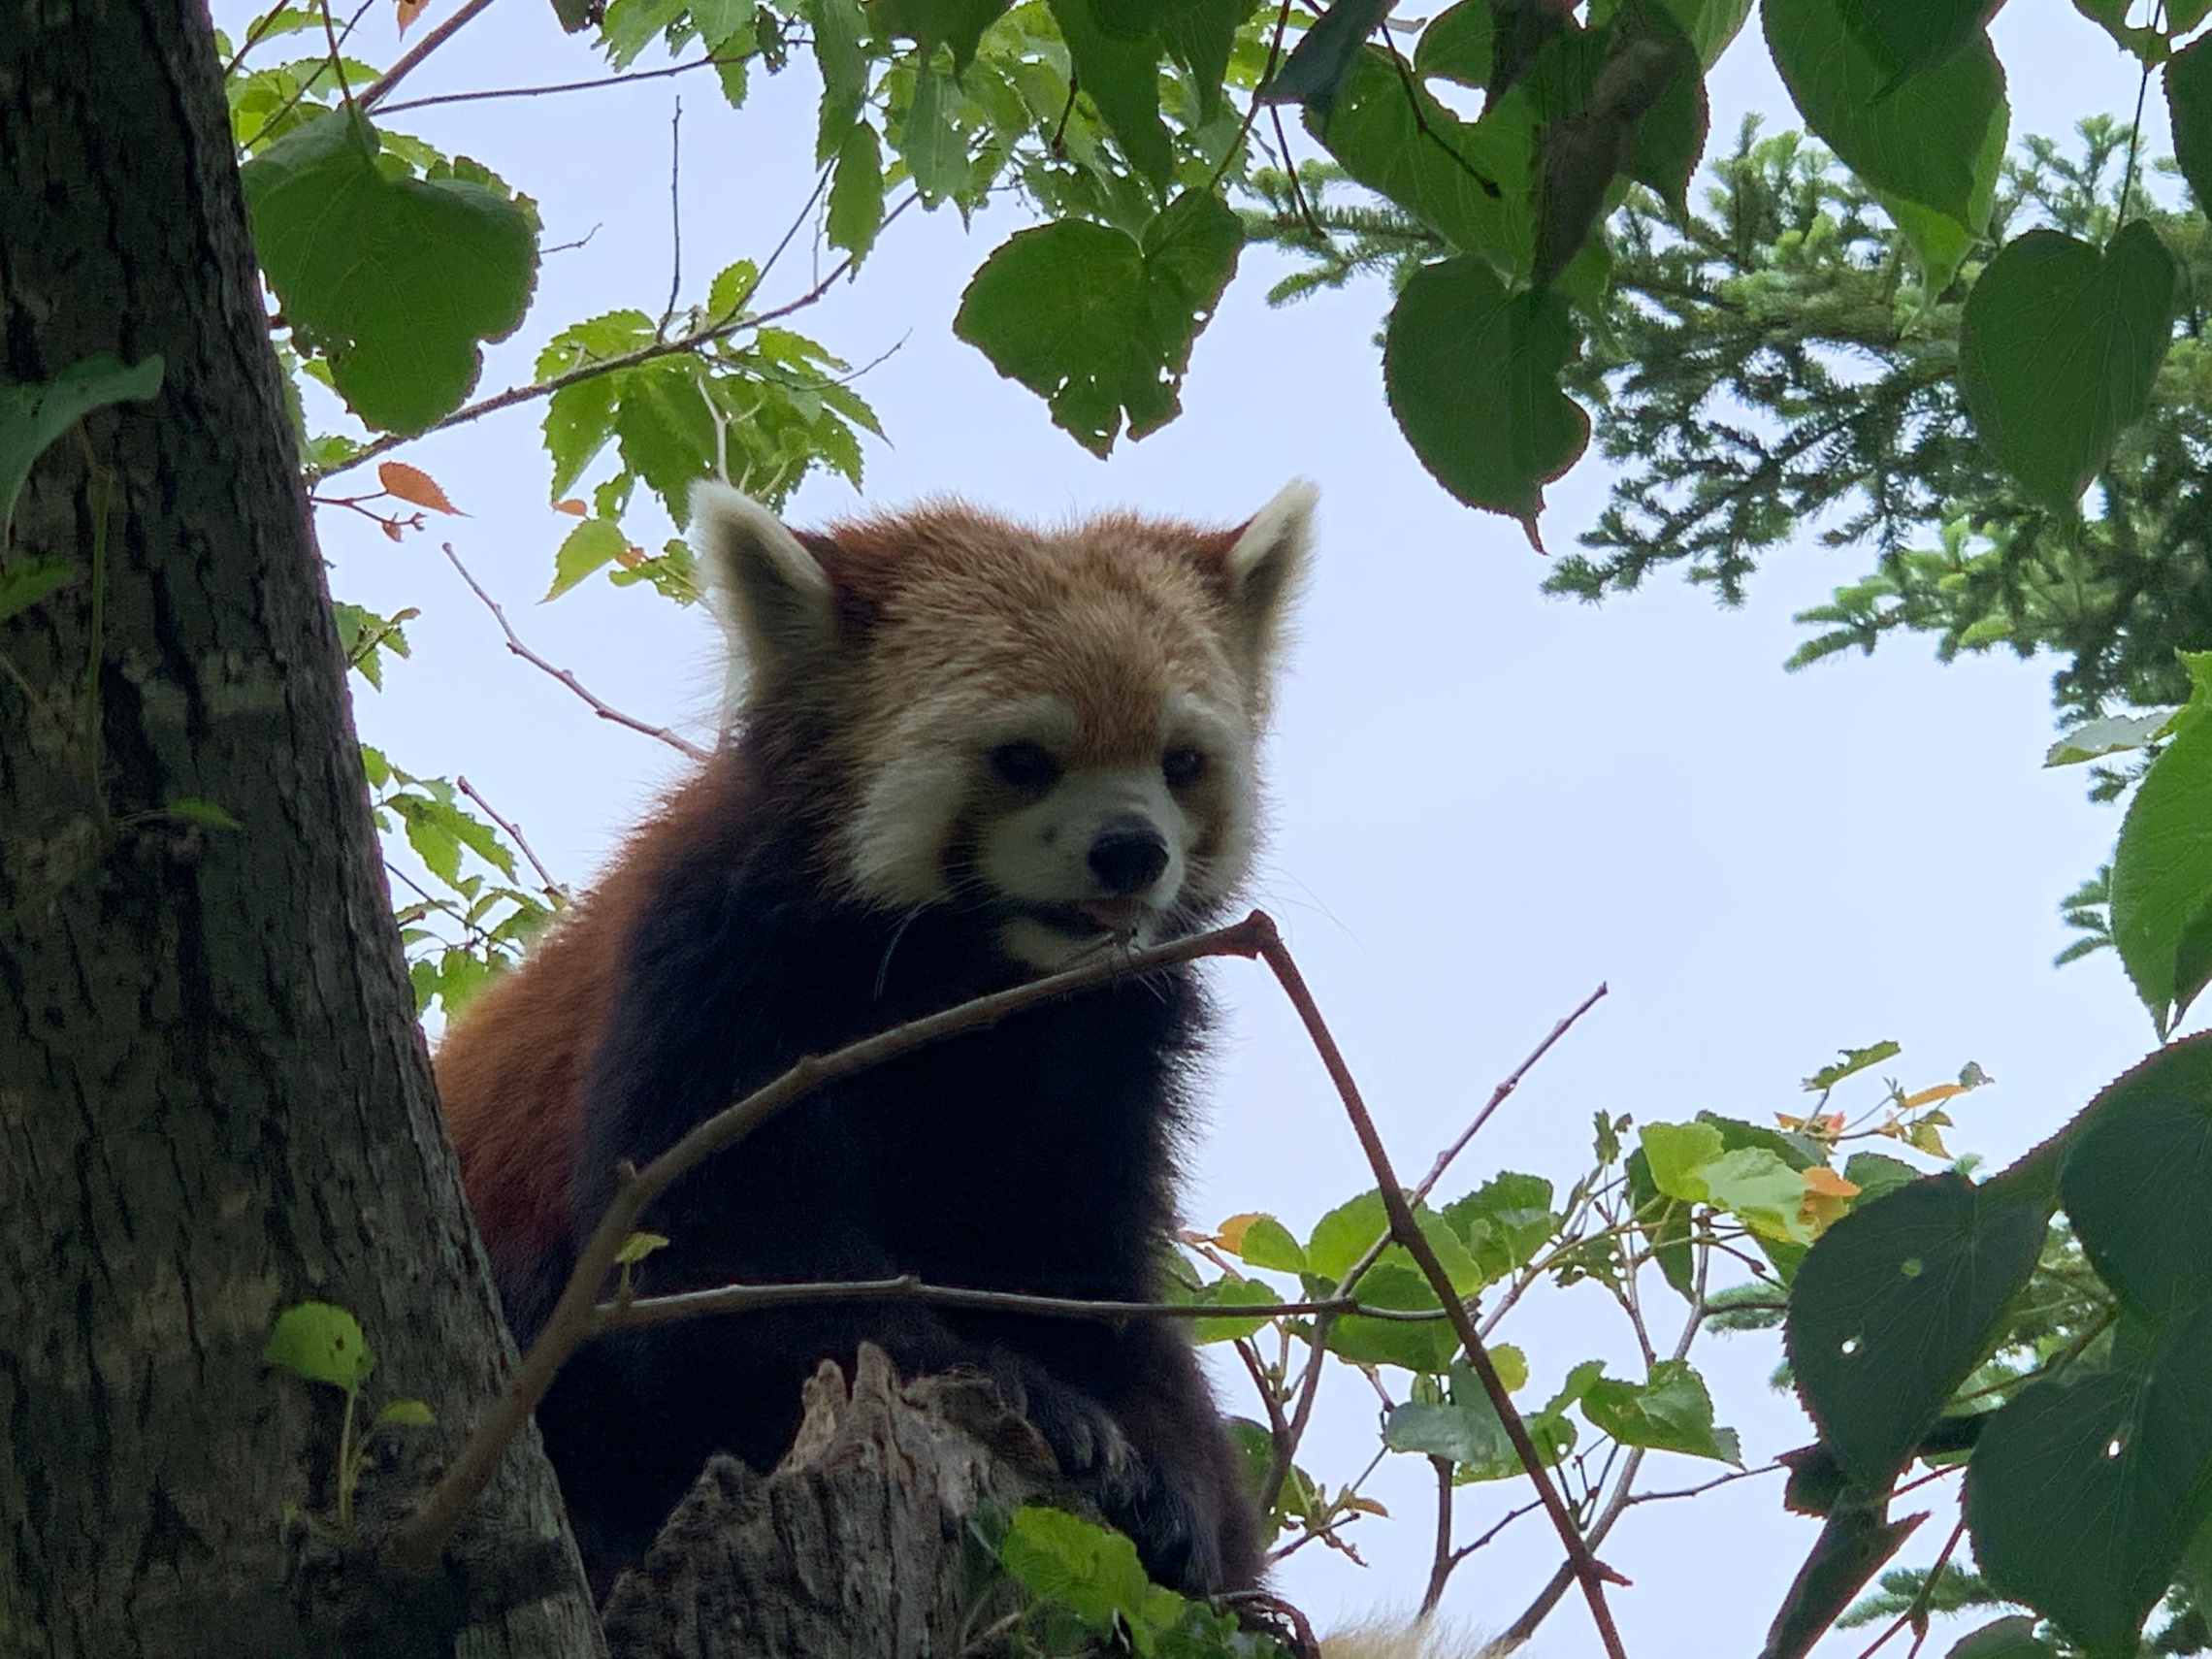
1054 731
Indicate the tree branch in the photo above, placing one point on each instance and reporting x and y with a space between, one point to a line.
493 92
598 706
416 1544
1406 1232
373 93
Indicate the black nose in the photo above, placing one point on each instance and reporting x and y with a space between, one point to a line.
1128 855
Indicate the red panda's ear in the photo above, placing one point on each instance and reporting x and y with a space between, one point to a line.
772 594
1263 567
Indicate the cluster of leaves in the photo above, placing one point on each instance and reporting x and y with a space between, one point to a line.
1087 1591
1680 1198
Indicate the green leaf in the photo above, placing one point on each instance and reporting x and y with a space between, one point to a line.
855 193
197 811
1121 76
321 1341
1232 1294
396 283
1676 1152
931 23
1267 1243
592 544
1898 1303
406 1413
1665 1223
1456 45
638 1247
1669 1412
937 154
1469 1433
1910 36
1468 183
2189 100
1874 1174
1505 1222
2059 350
1349 1231
2082 1493
1854 1061
1921 137
1315 72
1418 1345
1473 376
32 416
32 579
1086 1567
2133 1185
838 29
2162 877
2010 1637
1202 33
2113 734
1098 324
1760 1190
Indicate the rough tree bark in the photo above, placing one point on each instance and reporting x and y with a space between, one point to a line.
214 1098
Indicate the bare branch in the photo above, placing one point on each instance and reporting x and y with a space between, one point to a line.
598 706
1444 1158
675 217
1406 1232
416 1544
490 93
410 60
553 888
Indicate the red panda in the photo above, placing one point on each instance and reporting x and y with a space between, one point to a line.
957 753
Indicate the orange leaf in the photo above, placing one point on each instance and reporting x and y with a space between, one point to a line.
1928 1096
574 508
1229 1235
1829 1183
410 11
1366 1506
412 485
390 528
631 557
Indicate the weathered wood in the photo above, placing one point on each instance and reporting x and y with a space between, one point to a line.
856 1548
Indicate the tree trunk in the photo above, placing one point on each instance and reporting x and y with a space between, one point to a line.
858 1546
214 1098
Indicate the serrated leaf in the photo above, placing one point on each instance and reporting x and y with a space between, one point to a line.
1922 137
1505 1222
2114 734
1098 324
1346 1232
1854 1061
1898 1303
937 154
1670 1410
414 486
839 30
32 416
1468 181
855 193
1089 1568
1473 378
1121 74
1417 1344
592 545
321 1341
2059 350
396 283
1909 36
2162 877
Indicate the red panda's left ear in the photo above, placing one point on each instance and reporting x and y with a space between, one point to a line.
1264 566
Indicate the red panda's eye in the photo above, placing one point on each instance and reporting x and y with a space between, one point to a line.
1181 766
1024 766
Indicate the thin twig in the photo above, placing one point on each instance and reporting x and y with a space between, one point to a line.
416 1543
1916 1610
410 60
308 86
598 705
1443 1561
1444 1158
553 888
337 63
675 217
691 342
489 93
1406 1232
1266 74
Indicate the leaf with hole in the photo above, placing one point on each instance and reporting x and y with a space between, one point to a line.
1097 323
1898 1303
1473 376
396 283
2059 350
321 1341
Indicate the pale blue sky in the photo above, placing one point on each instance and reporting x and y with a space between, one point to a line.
1483 802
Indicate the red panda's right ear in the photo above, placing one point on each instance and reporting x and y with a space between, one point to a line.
774 598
